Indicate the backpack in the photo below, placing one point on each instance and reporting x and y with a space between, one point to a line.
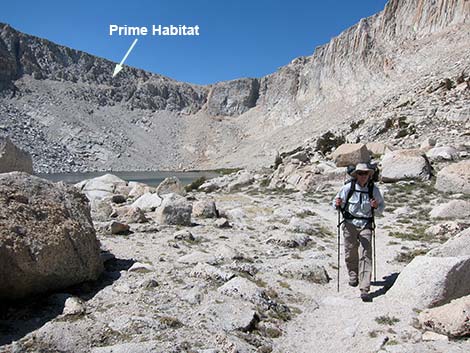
370 192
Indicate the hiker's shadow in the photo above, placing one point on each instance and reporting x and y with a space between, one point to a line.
386 283
20 317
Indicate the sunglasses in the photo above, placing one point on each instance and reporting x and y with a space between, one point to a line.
362 173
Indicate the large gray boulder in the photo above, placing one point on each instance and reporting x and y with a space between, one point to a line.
405 165
442 153
103 186
244 289
129 214
148 202
232 314
451 209
432 281
454 178
452 319
138 189
175 210
47 239
14 159
378 148
205 209
243 178
459 245
171 185
350 154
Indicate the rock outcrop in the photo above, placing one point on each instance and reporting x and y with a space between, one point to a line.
103 186
13 159
452 209
405 165
430 281
148 201
47 239
458 245
171 185
454 178
233 97
174 210
351 154
452 319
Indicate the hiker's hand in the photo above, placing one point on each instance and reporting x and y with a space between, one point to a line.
374 203
338 202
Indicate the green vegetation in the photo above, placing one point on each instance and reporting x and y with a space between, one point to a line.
265 349
328 141
226 171
170 321
406 257
387 320
305 213
415 233
259 282
195 184
284 284
325 232
273 332
264 182
355 124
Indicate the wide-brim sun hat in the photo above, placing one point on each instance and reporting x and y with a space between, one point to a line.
362 167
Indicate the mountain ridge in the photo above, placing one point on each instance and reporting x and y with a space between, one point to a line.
357 68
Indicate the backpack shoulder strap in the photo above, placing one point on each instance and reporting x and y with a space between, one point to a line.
371 190
350 192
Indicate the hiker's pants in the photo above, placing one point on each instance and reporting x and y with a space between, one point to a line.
358 254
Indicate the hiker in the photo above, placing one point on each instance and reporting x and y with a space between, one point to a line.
358 200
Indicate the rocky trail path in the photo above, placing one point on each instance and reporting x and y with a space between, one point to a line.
341 322
267 283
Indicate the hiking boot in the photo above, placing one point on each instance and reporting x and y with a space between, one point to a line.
353 282
365 297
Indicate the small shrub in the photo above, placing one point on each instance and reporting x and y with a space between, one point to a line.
273 332
195 184
170 321
387 126
355 124
387 320
407 257
226 171
264 182
328 141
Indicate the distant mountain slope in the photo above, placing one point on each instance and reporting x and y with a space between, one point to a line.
63 106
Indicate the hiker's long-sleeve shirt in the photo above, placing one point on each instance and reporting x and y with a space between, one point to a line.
359 203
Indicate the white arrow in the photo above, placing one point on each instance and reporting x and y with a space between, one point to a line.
118 67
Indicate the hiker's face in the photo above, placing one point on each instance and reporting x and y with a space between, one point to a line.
362 177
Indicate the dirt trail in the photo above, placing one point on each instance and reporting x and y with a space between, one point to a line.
343 323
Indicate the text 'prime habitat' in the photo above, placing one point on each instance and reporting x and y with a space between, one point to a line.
155 30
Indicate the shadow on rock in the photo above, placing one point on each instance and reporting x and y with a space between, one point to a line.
20 317
386 284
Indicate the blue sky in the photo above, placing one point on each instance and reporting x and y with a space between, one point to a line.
243 38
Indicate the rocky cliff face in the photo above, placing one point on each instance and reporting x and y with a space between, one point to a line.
141 120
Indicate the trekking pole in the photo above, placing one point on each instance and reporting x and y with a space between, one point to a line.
339 224
373 240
